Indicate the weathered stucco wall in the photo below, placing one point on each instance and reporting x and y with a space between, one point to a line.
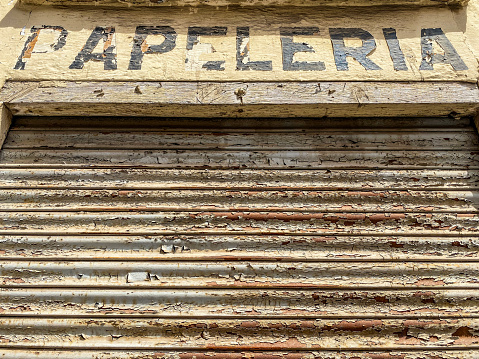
469 18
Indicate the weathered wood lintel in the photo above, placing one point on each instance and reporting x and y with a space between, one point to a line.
5 122
241 99
247 3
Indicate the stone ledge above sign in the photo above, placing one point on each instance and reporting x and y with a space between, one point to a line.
154 3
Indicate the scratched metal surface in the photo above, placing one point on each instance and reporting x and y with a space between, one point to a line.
234 239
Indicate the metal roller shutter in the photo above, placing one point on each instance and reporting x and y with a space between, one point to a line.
241 238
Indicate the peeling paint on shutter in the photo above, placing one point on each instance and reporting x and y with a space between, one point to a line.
242 238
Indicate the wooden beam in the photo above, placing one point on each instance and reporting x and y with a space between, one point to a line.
156 3
241 99
476 122
5 122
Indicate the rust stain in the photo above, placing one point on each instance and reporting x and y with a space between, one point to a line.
276 326
291 343
465 215
465 337
459 244
382 217
108 41
405 339
31 45
307 324
144 46
463 332
355 326
381 299
13 280
430 282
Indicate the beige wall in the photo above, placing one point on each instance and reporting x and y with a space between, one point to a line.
468 18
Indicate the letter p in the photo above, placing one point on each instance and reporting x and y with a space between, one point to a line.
31 43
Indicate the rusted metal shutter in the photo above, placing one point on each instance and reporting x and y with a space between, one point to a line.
157 238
